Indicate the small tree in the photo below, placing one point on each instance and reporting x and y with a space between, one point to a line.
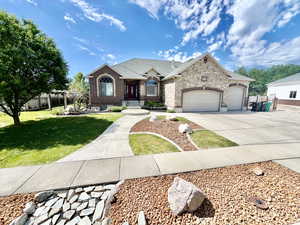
30 64
81 88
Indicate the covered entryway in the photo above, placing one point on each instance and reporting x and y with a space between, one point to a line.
233 97
201 101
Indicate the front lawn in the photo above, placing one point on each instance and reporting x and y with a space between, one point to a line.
207 139
44 138
143 144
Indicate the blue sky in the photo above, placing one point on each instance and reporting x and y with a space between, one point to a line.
252 33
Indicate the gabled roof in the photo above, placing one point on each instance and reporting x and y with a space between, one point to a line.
137 68
289 79
187 64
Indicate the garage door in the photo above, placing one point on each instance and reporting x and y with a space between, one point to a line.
233 97
201 101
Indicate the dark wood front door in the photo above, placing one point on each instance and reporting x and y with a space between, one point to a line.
132 91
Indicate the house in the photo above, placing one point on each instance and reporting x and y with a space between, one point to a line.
287 90
199 84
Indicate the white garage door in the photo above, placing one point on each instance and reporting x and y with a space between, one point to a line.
201 101
233 97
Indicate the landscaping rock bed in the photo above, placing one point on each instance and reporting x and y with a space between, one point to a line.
167 129
84 206
228 190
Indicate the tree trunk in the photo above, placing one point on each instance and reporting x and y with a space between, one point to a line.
16 119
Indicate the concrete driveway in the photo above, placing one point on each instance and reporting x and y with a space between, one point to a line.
247 128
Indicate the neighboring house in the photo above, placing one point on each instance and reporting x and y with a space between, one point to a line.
199 84
287 90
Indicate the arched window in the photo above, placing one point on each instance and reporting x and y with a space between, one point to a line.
151 86
106 86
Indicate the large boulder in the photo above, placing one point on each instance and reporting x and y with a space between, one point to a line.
153 118
184 196
185 128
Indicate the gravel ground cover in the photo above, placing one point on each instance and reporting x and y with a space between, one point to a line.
168 129
12 206
228 191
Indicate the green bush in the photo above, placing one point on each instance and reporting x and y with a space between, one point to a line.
117 108
154 104
170 111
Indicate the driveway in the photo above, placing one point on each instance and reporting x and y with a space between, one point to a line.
247 128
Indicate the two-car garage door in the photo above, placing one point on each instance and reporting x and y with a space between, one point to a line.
201 101
209 100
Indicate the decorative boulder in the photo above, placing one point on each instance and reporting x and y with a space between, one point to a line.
69 110
29 208
172 118
184 196
185 128
258 171
153 118
42 196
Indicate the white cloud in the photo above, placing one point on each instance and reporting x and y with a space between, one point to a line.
83 48
273 54
32 2
82 40
194 17
111 56
92 14
177 56
69 18
251 22
215 46
152 6
292 9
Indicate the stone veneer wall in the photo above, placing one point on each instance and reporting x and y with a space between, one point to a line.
191 78
169 93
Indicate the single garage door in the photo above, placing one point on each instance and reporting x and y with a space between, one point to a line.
201 101
233 97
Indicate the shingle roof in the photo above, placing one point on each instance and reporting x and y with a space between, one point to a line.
292 78
136 68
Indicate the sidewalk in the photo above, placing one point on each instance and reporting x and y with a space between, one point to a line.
64 175
112 143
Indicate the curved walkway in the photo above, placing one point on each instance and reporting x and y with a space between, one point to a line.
113 142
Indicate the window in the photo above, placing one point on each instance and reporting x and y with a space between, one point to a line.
293 94
151 88
106 86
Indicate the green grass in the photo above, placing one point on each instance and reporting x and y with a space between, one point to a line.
143 144
207 139
43 137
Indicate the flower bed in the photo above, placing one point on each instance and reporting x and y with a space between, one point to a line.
167 129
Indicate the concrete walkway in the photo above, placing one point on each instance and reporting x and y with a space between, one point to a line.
113 142
80 173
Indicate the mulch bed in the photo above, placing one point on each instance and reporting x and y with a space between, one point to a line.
228 191
12 206
167 129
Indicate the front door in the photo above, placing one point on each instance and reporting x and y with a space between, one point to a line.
132 90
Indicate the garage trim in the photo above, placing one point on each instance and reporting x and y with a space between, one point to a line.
203 88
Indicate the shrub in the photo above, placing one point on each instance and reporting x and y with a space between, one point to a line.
116 108
171 111
153 104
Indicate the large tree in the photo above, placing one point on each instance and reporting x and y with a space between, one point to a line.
30 64
264 76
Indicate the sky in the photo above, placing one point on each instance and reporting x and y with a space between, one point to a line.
89 33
